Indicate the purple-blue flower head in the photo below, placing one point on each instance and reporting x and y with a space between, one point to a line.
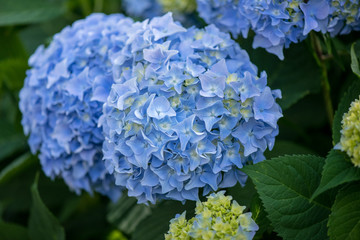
62 100
186 112
279 23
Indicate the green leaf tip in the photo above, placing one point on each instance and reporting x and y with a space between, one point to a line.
354 61
337 170
42 223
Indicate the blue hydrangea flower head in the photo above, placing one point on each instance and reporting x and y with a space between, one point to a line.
345 17
278 23
186 112
216 218
62 99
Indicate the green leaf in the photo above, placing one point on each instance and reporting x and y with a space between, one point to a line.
11 145
354 61
243 195
260 217
126 214
294 81
11 231
296 76
11 44
25 12
18 197
12 72
9 112
352 93
344 220
157 224
337 170
285 186
42 224
42 33
283 147
11 140
89 220
16 167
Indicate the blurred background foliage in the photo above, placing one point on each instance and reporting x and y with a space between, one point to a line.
36 208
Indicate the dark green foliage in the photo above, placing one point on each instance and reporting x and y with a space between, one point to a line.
25 12
354 61
285 186
42 223
337 170
344 221
157 224
126 214
9 231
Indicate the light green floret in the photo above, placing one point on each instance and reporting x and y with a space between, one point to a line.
347 9
185 6
350 133
217 218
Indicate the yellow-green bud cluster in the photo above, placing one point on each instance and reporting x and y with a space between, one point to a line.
348 9
217 218
350 133
179 6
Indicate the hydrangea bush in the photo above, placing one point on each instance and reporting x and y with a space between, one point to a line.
217 218
62 100
187 112
167 115
278 23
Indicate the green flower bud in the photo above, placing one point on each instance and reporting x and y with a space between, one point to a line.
350 133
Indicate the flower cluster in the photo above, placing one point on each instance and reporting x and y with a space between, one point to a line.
217 218
187 111
345 16
181 9
62 100
278 23
350 133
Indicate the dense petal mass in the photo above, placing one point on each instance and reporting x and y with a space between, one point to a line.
62 101
217 218
187 111
278 23
350 133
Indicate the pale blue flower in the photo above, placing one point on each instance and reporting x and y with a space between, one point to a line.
278 23
62 100
315 12
179 109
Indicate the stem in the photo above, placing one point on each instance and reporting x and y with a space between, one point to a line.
320 60
326 92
